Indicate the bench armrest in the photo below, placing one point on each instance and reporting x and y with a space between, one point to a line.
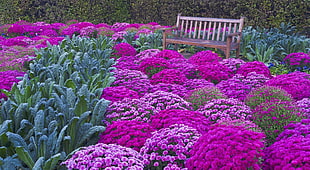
234 34
230 37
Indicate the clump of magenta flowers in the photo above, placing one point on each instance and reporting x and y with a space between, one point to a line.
301 128
169 146
227 147
200 96
165 118
105 156
203 57
128 133
124 49
172 88
226 109
172 76
304 106
8 78
295 61
169 54
290 153
116 93
214 72
254 66
153 65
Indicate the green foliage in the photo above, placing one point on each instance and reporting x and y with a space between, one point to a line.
56 108
150 41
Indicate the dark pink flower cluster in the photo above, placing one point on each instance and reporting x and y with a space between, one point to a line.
116 93
169 145
290 153
254 66
227 147
226 109
301 128
233 63
172 88
105 156
304 106
214 72
192 84
203 57
165 118
295 60
171 76
129 109
188 69
273 115
169 54
294 83
201 96
153 65
7 79
128 133
123 49
161 100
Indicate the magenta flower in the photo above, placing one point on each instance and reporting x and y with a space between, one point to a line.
214 72
153 65
203 57
192 84
124 49
227 147
254 66
304 107
171 76
146 54
128 133
232 63
301 128
117 93
169 54
171 88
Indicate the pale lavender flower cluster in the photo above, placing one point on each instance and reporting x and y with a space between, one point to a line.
223 109
232 63
128 133
169 145
172 88
89 31
227 147
304 106
129 109
117 93
301 128
146 54
192 84
290 153
165 118
105 156
161 100
255 80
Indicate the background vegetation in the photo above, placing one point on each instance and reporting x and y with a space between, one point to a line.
260 13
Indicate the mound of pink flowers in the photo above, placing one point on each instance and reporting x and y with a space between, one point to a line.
116 93
227 147
128 133
8 78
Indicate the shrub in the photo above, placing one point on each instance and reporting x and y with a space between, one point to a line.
153 65
169 54
169 145
223 109
214 72
272 115
127 133
301 128
200 96
165 118
290 153
254 66
171 88
129 109
203 57
266 93
117 93
123 49
161 100
105 156
227 147
171 76
294 83
304 106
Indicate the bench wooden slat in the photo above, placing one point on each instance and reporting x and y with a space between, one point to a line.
224 32
204 29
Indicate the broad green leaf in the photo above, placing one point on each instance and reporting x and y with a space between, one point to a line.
81 106
24 156
51 162
39 164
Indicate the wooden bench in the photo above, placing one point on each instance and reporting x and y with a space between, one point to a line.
220 33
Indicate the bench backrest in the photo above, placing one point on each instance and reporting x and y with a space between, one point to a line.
215 29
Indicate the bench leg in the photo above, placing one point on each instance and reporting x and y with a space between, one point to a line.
237 52
227 53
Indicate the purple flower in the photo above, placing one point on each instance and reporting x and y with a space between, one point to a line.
304 106
169 54
254 66
301 128
117 93
171 76
123 49
172 88
214 72
203 57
